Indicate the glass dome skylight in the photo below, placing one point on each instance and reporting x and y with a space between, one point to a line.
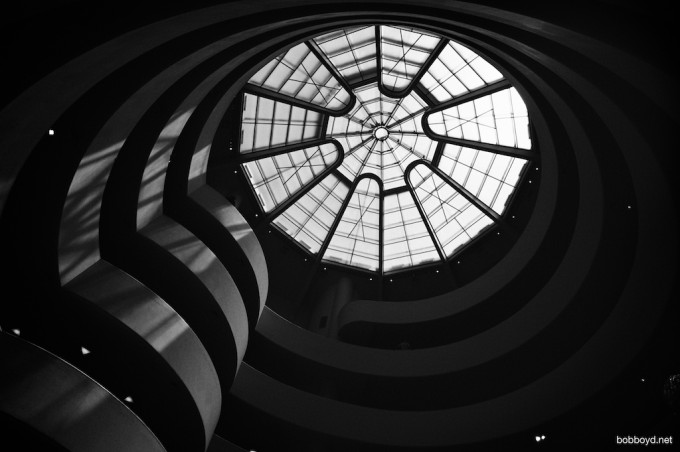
382 147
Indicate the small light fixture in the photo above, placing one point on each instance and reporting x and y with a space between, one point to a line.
16 331
128 399
84 351
50 132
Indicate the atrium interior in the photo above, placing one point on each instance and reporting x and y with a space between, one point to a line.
404 225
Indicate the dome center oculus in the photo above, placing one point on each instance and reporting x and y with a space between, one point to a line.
381 133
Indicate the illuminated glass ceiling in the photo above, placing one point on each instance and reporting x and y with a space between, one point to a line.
383 147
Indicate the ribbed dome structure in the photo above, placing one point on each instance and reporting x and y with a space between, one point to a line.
383 147
137 259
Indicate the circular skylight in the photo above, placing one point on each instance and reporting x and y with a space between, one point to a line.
380 132
383 147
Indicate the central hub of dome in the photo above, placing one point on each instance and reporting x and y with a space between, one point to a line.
381 133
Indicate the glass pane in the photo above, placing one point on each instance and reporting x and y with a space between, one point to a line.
458 70
499 118
406 239
356 240
403 52
488 176
277 178
267 123
352 51
311 217
299 74
405 141
454 220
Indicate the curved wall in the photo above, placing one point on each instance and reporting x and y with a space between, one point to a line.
146 286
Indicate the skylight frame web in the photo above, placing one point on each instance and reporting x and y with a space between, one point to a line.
375 104
298 73
407 116
356 239
399 155
309 220
403 51
268 123
457 70
275 179
490 177
499 118
409 110
407 141
352 51
453 220
406 239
